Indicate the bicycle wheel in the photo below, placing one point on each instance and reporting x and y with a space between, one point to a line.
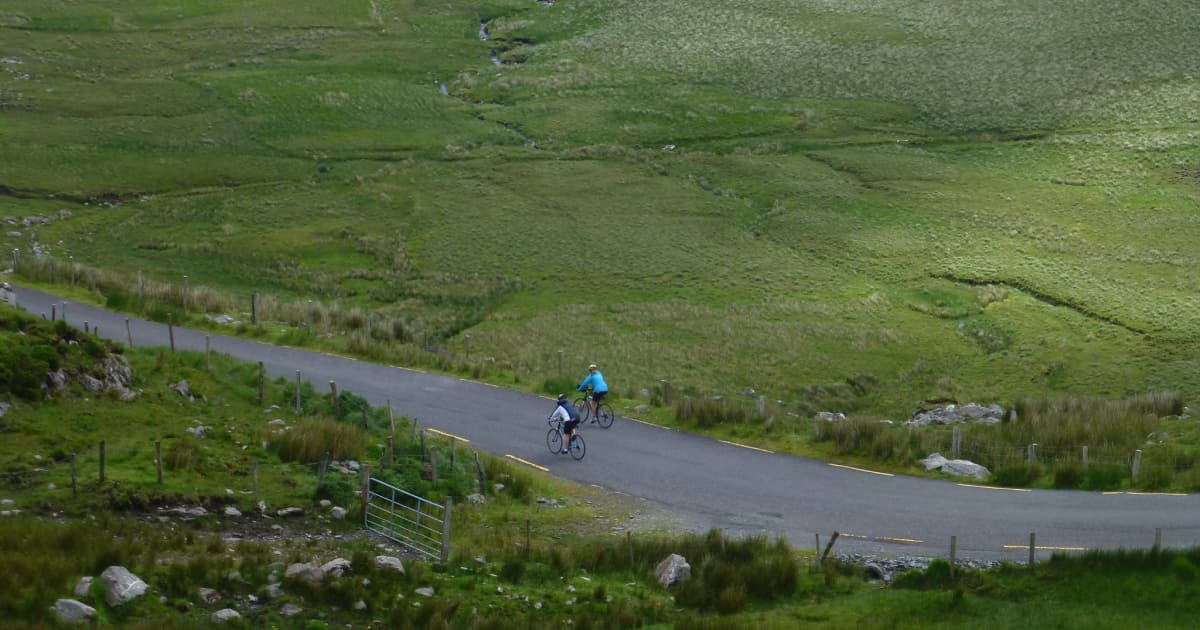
604 415
578 447
584 407
554 441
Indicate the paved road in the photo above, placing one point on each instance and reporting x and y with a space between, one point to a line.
708 483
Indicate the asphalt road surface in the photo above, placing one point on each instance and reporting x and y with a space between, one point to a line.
707 483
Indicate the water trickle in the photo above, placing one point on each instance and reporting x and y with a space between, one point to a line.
483 31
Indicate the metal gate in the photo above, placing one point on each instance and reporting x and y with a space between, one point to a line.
413 521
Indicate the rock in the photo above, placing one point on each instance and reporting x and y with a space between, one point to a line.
338 513
121 586
389 562
84 585
497 488
360 605
424 591
277 422
209 595
290 610
273 591
934 461
951 414
965 468
476 499
337 567
830 416
183 389
57 380
14 234
289 511
232 511
73 611
198 432
305 572
877 572
225 615
325 503
642 408
192 512
672 570
91 383
4 407
262 508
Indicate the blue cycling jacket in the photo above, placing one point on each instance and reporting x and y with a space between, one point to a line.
596 380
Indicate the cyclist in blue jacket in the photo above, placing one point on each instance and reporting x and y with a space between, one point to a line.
566 412
595 380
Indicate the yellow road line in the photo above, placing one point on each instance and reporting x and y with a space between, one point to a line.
527 463
873 472
971 485
651 424
449 435
753 448
1149 494
1045 548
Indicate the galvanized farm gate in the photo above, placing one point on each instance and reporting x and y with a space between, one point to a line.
413 521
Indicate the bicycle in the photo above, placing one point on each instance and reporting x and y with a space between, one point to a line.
604 413
554 440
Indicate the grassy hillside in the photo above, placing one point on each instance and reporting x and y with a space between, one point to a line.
926 201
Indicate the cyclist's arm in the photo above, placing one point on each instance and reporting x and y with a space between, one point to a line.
584 384
560 414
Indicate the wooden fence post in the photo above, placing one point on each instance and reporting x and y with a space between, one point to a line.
527 536
422 434
171 332
86 327
321 470
446 515
391 418
74 484
453 445
141 287
101 461
297 392
953 554
1137 464
1032 548
254 307
158 459
1157 539
261 382
128 333
666 389
254 476
207 354
390 453
817 555
337 402
479 470
364 495
1085 458
956 443
53 312
433 465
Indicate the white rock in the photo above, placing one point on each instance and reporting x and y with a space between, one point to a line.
325 503
337 567
290 610
425 591
232 511
305 572
389 562
121 586
84 585
73 611
225 615
934 461
672 570
338 513
289 511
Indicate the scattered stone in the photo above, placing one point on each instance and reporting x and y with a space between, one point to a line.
232 511
337 567
957 467
289 511
830 416
672 570
425 591
183 389
188 512
277 422
360 605
476 499
57 380
325 503
305 572
497 488
73 611
91 383
338 513
209 595
198 432
389 562
970 413
225 615
934 461
273 591
84 585
121 586
4 407
290 610
642 408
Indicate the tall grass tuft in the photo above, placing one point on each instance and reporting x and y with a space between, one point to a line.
307 441
710 412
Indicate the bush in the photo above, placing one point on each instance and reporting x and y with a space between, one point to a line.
1103 477
1184 570
184 454
1067 475
1018 476
710 412
309 440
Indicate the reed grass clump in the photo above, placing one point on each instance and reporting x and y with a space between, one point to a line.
308 440
710 412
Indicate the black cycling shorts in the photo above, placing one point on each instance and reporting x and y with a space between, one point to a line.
569 425
598 396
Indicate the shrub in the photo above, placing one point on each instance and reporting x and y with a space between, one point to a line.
1103 477
710 412
1017 476
1067 475
184 454
1183 569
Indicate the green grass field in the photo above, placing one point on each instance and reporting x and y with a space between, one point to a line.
975 204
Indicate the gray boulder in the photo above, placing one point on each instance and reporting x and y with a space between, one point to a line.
672 570
289 511
391 563
290 610
209 595
305 572
830 416
934 461
84 585
4 407
338 513
225 615
73 611
952 414
273 591
337 567
965 468
121 586
424 591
